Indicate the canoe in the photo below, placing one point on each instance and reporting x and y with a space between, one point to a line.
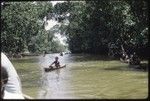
49 69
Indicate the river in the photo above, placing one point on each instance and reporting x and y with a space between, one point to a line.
88 76
85 77
55 84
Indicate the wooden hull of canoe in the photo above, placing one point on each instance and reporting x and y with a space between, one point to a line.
49 69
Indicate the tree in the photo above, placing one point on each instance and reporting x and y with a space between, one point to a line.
22 21
104 26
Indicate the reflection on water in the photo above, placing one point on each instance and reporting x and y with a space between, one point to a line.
54 84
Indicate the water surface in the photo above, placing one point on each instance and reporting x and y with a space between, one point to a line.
91 76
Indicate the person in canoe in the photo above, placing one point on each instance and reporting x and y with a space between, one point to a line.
61 53
56 63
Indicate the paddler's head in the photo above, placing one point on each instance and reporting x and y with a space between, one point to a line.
56 58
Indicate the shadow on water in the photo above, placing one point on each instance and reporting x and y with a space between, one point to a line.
128 68
112 68
89 57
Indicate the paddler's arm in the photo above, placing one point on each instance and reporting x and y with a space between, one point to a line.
52 63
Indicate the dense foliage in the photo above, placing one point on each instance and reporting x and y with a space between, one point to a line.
105 26
23 28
